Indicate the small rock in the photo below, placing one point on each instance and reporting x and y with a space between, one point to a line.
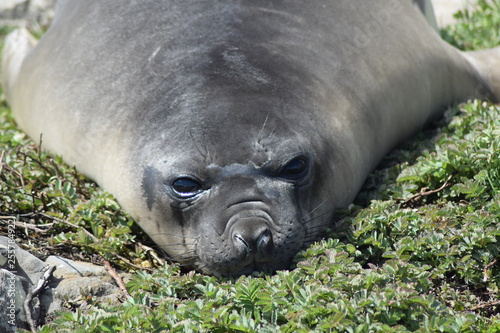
66 267
37 13
42 11
20 261
75 280
13 9
19 271
72 282
13 290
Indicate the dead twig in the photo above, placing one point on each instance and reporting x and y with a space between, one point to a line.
485 305
485 270
80 184
18 174
42 281
40 147
131 264
39 162
34 227
153 254
427 193
8 216
116 277
94 238
1 160
491 264
56 168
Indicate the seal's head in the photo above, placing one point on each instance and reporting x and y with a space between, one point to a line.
240 186
234 164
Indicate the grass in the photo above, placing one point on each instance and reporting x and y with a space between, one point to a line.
419 251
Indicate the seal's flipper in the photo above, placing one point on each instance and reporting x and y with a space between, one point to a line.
487 65
18 45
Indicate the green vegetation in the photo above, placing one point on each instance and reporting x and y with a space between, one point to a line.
476 30
418 251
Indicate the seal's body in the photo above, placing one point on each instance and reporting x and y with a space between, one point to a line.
231 129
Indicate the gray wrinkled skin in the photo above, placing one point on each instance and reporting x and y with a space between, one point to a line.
230 130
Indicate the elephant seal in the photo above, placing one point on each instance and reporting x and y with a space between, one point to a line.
231 129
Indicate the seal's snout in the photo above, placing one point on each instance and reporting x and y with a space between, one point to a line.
252 237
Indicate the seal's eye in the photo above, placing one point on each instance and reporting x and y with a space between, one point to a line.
186 188
295 169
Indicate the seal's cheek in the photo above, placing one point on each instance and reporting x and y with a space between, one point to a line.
164 219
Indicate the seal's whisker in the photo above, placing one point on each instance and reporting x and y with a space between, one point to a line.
175 235
205 153
308 233
180 246
320 229
309 242
183 257
190 252
200 268
322 220
318 217
314 209
260 136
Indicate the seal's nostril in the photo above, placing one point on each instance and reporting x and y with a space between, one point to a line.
253 236
241 239
265 242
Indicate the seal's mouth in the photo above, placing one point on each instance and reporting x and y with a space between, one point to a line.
245 258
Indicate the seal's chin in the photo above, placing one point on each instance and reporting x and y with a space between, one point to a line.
234 264
247 269
256 267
